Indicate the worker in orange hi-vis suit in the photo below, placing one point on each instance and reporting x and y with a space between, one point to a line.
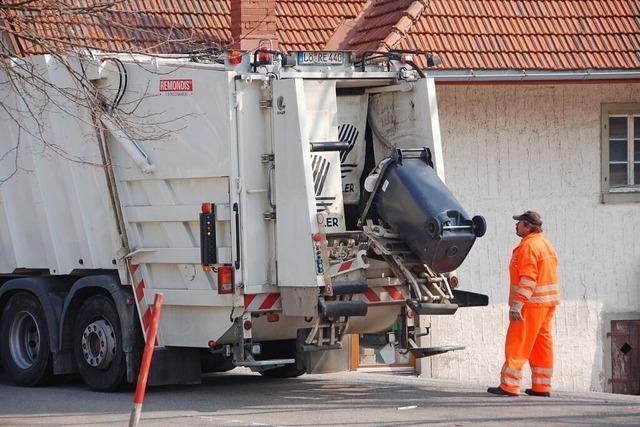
533 298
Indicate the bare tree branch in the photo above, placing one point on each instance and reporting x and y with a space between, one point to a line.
57 27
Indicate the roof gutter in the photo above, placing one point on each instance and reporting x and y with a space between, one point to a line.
530 75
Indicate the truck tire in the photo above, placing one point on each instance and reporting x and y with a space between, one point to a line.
286 371
97 344
24 345
215 363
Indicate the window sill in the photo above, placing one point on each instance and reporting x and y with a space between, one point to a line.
621 197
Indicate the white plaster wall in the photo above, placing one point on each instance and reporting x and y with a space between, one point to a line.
509 148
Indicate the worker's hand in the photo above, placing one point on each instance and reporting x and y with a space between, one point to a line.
515 312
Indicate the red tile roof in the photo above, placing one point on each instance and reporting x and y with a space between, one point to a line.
129 25
512 34
308 25
382 24
164 26
476 34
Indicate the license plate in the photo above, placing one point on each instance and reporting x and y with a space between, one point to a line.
320 58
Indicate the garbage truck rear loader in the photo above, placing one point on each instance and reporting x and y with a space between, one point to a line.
238 191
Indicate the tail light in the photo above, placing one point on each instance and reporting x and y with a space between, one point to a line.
264 57
273 317
235 57
225 279
207 208
453 282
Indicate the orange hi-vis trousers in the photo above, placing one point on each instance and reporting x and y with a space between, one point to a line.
529 339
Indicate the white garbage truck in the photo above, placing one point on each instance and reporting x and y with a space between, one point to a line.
278 200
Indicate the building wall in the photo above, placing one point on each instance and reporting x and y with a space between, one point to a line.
509 148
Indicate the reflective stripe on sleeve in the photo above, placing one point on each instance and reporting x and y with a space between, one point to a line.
522 291
527 282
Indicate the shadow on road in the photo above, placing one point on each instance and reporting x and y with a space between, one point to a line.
235 395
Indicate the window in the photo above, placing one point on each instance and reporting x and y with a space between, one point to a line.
620 153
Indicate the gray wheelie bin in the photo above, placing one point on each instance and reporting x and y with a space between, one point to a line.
410 198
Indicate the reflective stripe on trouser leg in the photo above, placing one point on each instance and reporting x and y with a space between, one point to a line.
541 379
521 337
541 359
510 377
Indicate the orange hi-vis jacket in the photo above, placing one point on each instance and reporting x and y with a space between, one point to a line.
533 272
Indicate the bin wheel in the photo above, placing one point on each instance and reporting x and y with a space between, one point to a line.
479 225
434 228
286 371
97 344
24 342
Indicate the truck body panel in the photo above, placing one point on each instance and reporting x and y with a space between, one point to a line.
115 180
294 183
408 117
192 148
55 211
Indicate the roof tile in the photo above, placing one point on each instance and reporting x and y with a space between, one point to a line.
536 34
482 34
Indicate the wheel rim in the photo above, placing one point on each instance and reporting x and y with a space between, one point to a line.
24 339
99 344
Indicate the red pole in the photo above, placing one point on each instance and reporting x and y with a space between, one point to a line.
146 360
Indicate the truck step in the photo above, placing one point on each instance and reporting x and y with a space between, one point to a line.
420 352
336 309
431 308
261 363
349 287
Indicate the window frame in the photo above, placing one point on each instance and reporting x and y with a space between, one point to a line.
627 193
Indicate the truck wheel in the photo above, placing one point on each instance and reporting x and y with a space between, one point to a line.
97 344
215 363
286 371
25 341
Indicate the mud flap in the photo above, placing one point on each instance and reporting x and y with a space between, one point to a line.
175 365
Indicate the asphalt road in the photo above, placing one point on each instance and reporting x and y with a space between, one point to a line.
242 398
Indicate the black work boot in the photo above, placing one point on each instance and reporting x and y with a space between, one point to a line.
498 391
532 392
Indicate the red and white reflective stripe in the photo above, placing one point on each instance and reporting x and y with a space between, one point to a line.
271 302
262 302
139 289
345 266
386 294
350 265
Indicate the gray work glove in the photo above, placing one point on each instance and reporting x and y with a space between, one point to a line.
515 312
